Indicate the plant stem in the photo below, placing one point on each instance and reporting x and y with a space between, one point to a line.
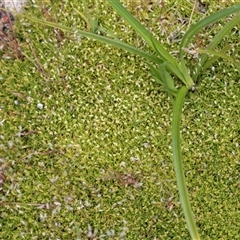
177 158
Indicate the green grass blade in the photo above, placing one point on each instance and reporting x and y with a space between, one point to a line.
176 69
210 61
224 31
188 80
77 231
205 22
215 41
106 40
155 73
121 45
92 23
168 82
181 72
142 31
164 78
177 158
217 54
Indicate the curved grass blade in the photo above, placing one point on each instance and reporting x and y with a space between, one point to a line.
178 164
178 70
155 73
175 70
217 54
210 61
106 40
168 82
142 31
205 22
215 41
164 78
188 80
224 31
91 22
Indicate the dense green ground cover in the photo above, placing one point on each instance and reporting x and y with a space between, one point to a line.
85 133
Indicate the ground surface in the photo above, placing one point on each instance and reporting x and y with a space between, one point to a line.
85 139
14 5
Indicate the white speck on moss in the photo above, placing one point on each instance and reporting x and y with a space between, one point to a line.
110 232
123 232
146 144
54 179
134 159
91 233
1 122
43 216
10 144
87 204
40 106
122 164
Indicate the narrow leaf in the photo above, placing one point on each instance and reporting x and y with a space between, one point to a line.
142 31
178 164
211 60
106 40
155 73
164 78
205 22
180 72
215 41
216 53
167 79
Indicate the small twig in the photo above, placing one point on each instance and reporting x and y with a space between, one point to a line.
192 52
2 175
124 179
26 133
58 32
37 63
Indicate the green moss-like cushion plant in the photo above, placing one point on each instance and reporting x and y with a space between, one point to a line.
173 74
